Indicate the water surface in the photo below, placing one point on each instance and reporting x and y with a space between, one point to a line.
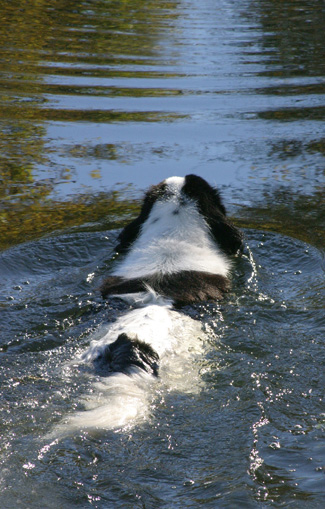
98 101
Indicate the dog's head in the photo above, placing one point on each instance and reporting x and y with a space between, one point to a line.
176 193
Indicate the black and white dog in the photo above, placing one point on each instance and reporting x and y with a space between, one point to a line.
176 252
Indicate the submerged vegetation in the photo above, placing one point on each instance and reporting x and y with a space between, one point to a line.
23 223
301 217
297 215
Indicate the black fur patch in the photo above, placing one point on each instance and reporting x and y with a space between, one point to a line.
185 287
210 205
125 353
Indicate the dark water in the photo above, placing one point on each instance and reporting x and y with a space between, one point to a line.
99 100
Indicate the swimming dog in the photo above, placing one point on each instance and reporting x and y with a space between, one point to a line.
177 252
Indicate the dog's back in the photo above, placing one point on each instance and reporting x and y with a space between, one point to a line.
176 252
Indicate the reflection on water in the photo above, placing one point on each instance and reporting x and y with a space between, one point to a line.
292 40
100 99
40 42
299 215
95 93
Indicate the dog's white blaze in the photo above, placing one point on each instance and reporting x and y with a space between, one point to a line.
175 184
175 237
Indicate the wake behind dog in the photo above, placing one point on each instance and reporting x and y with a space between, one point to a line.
177 252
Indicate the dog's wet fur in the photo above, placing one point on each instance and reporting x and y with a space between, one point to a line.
176 252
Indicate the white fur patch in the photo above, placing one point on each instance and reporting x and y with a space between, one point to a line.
175 237
175 184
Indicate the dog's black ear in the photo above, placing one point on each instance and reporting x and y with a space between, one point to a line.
210 205
228 237
206 196
129 234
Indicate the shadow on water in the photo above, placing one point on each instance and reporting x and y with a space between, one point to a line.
100 99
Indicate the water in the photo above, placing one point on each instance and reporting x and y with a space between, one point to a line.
98 101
